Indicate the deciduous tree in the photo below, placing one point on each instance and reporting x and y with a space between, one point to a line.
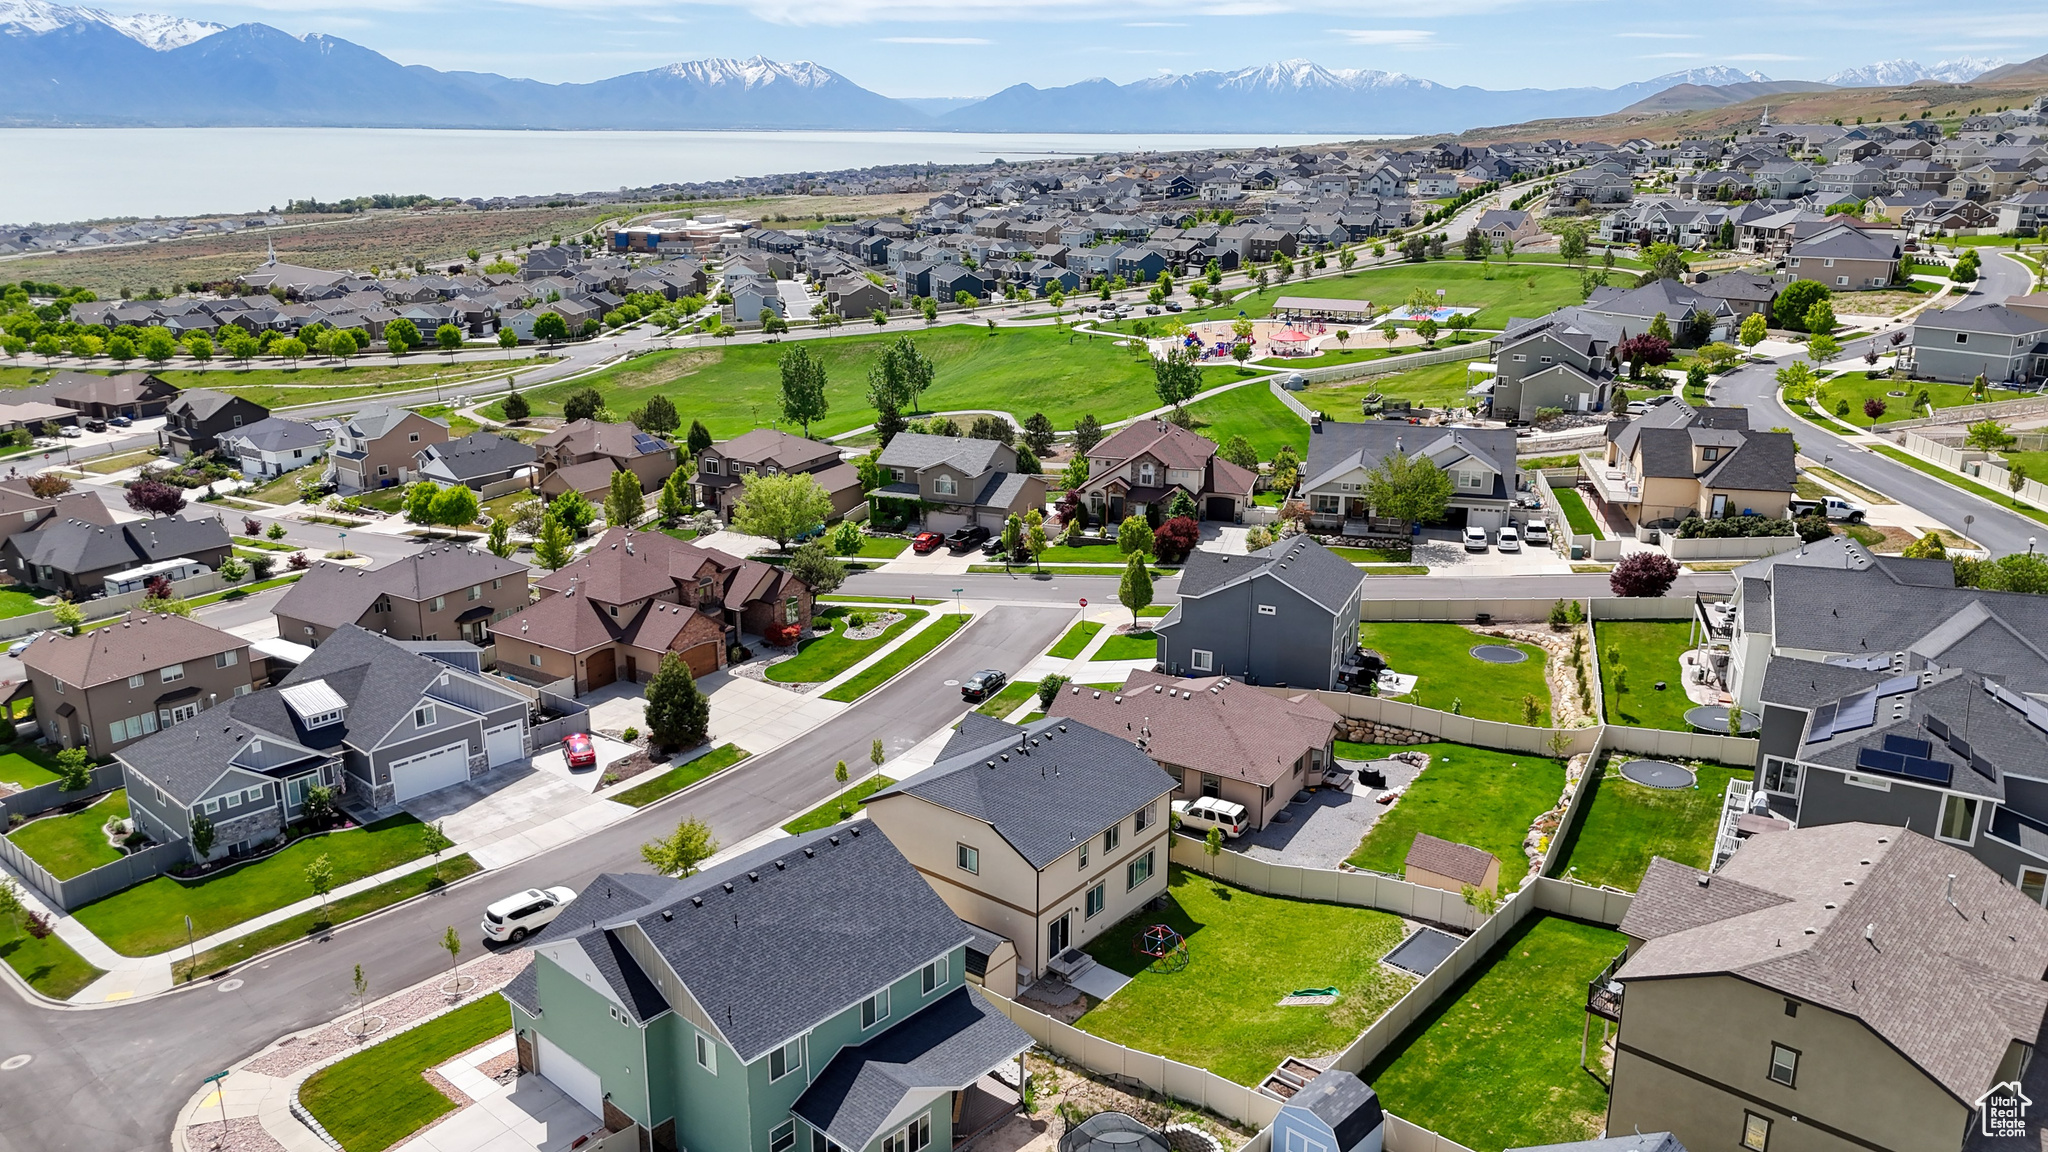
1135 592
1410 489
155 497
803 388
682 852
1176 377
584 403
1643 574
780 507
815 565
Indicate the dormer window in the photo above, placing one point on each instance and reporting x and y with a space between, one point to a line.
1710 453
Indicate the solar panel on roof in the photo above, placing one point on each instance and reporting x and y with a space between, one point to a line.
1858 711
1897 684
646 443
1905 767
1938 726
1907 746
1823 722
1984 768
1933 771
1878 761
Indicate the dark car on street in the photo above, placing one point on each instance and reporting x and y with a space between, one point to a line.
982 685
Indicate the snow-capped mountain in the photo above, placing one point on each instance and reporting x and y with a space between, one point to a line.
1712 76
151 30
758 72
1894 73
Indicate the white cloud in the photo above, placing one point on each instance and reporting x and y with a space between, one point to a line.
1655 36
1385 37
935 40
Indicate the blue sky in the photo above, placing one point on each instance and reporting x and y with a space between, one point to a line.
974 47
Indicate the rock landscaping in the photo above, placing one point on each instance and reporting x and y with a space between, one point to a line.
1374 732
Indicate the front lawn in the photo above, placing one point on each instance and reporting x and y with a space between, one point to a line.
1649 649
107 465
1474 796
678 778
1129 646
839 807
15 602
1451 679
1245 952
150 917
906 654
49 965
1857 387
27 765
1070 645
1508 1035
1622 824
74 844
322 380
880 547
285 489
1576 513
1375 555
827 656
1005 702
378 1097
286 931
1253 412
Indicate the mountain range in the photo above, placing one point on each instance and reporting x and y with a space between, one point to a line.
1898 73
82 66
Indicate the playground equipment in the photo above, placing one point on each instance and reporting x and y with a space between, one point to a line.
1165 946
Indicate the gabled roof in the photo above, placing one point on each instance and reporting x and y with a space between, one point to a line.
1170 444
1213 725
1460 862
1847 243
1300 563
479 454
74 545
620 441
275 434
1335 448
1991 320
335 594
202 403
372 421
141 642
921 450
788 452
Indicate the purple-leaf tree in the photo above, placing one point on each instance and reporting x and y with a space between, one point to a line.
1637 351
1643 574
1873 407
156 497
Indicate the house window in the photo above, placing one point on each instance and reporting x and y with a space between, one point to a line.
710 465
1756 1132
1145 473
931 976
1784 1065
783 1137
1870 782
1326 505
1268 610
533 659
1084 854
412 437
1791 1007
792 610
476 591
1710 453
1781 776
1958 819
136 681
181 713
1472 480
1138 871
785 1060
1097 899
874 1009
172 673
423 716
383 469
224 660
913 1137
707 1054
968 857
2034 884
440 602
1110 838
944 485
1962 337
1202 660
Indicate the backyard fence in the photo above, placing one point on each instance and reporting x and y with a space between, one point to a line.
1452 727
105 606
1287 398
1966 413
104 880
1986 469
1727 547
43 797
1387 365
1529 609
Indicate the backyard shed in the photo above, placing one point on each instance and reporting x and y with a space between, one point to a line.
1450 865
1335 1112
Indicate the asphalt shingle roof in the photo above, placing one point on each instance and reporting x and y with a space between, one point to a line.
921 450
1302 564
1211 725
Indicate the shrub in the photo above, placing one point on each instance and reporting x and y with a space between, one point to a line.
1873 407
1732 527
1643 574
252 526
1176 538
1812 528
631 734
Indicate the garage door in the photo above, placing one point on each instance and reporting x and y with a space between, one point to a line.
600 668
946 522
1222 508
505 744
418 775
577 1082
703 659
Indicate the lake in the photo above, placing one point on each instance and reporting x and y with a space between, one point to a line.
62 174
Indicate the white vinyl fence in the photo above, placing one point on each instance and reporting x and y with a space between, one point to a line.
105 606
1987 470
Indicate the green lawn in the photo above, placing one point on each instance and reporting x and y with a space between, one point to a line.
27 765
827 656
1129 646
278 387
1070 645
906 654
150 917
73 845
1019 370
2002 499
1246 951
1508 1035
1474 796
107 465
1090 552
1622 824
1430 386
49 965
1253 412
2036 464
1576 514
1650 649
285 489
1856 388
839 807
1451 679
1006 701
378 1097
881 547
15 602
1375 555
243 948
1506 294
678 778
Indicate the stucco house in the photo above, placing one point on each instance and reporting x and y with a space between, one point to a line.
1846 259
109 687
1555 361
956 480
583 454
1343 456
1137 471
374 448
722 469
444 592
1677 461
2005 345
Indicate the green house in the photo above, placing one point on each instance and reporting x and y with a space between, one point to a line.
809 996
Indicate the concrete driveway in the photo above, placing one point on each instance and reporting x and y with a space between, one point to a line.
749 713
516 812
527 1115
1325 829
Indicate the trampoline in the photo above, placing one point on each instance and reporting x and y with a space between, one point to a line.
1422 952
1658 774
1714 718
1499 654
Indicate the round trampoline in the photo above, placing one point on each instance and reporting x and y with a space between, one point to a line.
1499 654
1714 718
1658 774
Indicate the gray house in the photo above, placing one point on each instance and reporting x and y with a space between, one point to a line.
1284 615
2001 344
1556 361
1342 456
199 415
361 714
475 460
1335 1112
958 480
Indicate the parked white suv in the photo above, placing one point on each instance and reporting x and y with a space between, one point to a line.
1537 532
518 916
1510 540
1475 538
1212 812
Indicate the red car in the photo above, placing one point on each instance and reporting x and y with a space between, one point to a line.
925 542
581 752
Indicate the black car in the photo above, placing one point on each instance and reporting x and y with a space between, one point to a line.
982 685
971 536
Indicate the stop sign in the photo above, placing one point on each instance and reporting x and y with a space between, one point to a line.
1084 601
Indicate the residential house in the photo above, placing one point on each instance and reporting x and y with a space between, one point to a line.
2023 214
1502 224
617 610
132 394
653 1004
1557 361
375 447
1845 258
1850 987
2002 344
1215 736
1139 470
22 510
361 715
76 555
109 687
194 420
1681 304
856 297
1342 457
958 480
273 446
1437 863
1677 461
1286 615
445 592
722 469
1044 834
478 460
583 454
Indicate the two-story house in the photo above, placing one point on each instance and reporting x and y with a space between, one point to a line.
1342 458
582 455
958 480
722 469
1286 615
445 592
1858 986
76 555
1556 361
1045 834
374 447
1137 471
810 994
1676 461
197 416
109 687
636 596
22 510
2002 344
477 460
273 446
1215 736
1845 258
362 715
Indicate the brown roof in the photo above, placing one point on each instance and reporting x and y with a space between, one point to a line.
585 436
336 594
624 566
788 452
1864 920
673 627
592 477
141 642
76 505
1460 862
1170 444
566 623
1214 724
93 388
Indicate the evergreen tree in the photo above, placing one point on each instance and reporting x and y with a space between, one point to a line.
678 713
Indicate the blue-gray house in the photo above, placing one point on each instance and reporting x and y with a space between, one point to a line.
1335 1112
1286 615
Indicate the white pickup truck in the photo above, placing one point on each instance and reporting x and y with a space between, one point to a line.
1830 507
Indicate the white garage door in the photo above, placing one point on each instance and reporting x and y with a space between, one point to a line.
418 775
947 522
506 744
577 1082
